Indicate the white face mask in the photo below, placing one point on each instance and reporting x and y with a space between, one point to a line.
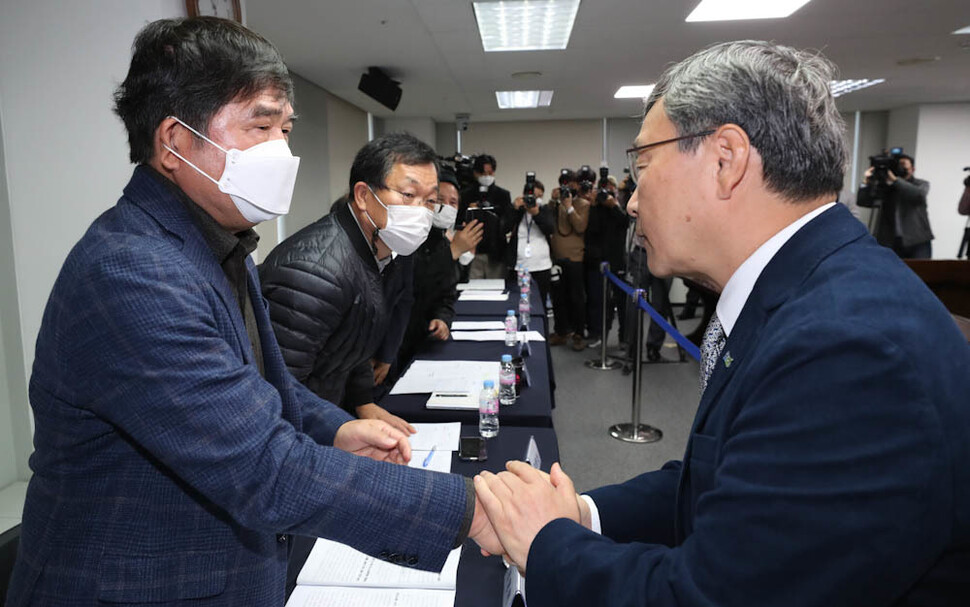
486 180
259 179
407 226
445 217
539 200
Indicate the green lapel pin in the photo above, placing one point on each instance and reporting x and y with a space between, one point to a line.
728 360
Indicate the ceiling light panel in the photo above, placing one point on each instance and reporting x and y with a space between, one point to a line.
844 87
633 91
963 30
525 25
737 10
508 100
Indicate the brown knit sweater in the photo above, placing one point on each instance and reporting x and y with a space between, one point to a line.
567 238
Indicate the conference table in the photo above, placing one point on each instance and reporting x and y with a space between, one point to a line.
480 578
532 408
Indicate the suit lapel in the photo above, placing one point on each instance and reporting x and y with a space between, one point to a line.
161 202
780 279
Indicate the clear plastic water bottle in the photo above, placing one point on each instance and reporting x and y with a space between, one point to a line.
488 410
506 381
511 329
525 310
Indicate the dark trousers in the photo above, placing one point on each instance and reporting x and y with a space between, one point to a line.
923 250
658 295
543 279
594 301
569 297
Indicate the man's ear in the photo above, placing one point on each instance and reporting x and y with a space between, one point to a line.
359 195
733 158
172 134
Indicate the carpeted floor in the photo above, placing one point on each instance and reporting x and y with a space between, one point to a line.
589 401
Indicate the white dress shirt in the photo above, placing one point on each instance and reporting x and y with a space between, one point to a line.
735 295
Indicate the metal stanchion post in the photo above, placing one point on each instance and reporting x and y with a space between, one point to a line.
602 364
636 432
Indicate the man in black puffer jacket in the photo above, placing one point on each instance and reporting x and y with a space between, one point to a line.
326 284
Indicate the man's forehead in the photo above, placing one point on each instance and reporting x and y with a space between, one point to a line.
415 174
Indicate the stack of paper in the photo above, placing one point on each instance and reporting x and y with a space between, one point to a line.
337 575
458 376
478 325
495 336
482 284
483 296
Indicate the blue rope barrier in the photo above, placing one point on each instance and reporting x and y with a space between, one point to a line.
692 350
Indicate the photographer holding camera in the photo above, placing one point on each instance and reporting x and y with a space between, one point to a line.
492 206
903 223
605 241
530 226
571 214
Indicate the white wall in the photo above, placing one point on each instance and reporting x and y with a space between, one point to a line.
942 150
65 153
347 125
422 128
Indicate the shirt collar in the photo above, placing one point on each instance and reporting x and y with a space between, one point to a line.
221 241
739 286
381 263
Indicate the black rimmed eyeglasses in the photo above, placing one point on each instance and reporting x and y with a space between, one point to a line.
633 153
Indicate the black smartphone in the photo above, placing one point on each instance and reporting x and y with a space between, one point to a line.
472 449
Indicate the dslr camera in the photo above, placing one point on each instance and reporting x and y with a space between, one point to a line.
602 193
529 191
586 178
566 177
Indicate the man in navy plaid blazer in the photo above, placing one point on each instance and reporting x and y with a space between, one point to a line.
174 452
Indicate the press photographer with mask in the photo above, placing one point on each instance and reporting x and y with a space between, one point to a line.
494 205
571 214
530 226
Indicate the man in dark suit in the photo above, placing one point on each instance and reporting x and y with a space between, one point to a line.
174 453
828 460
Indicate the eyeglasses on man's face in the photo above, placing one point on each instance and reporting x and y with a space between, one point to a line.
413 199
633 154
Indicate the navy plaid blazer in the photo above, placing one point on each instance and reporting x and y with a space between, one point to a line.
166 469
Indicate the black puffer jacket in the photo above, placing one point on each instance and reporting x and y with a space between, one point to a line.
328 307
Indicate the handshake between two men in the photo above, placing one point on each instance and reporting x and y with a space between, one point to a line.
512 507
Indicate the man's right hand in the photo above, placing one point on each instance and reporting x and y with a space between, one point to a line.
467 238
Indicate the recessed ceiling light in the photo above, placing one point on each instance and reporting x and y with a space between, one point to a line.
844 87
633 91
736 10
525 25
963 30
508 100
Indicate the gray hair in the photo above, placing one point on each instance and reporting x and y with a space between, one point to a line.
779 95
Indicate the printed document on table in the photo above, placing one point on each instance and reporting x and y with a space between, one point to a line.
443 437
455 376
494 336
478 325
482 284
333 564
340 596
483 296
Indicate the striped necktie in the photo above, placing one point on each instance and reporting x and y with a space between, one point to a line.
714 340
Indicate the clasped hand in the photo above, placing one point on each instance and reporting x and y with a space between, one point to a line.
517 504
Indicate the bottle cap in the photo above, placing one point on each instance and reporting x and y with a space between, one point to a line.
506 358
488 384
511 313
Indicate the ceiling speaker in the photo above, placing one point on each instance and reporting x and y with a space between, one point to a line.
379 87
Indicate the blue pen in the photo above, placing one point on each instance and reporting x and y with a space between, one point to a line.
427 460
